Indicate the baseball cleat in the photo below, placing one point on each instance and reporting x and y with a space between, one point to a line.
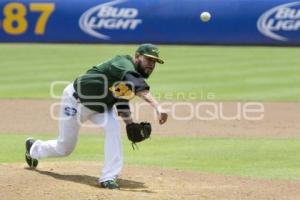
110 184
32 163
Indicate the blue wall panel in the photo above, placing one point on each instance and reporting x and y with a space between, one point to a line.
169 21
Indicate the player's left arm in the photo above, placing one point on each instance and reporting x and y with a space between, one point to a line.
124 112
126 116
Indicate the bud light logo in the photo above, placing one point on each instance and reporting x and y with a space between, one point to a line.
107 17
280 20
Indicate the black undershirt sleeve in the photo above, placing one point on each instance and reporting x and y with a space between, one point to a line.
135 82
123 107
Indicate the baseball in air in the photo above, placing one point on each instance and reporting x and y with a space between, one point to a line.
205 16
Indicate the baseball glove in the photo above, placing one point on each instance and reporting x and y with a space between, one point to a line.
138 132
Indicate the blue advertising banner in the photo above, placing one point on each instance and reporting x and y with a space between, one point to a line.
270 22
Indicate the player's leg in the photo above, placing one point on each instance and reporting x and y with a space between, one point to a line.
68 130
113 154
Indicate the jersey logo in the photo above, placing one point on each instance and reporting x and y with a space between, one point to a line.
69 111
122 91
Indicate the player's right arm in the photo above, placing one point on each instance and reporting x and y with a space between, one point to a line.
141 89
147 96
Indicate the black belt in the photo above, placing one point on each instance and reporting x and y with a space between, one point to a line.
75 95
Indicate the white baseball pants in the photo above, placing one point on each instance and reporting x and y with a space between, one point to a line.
72 115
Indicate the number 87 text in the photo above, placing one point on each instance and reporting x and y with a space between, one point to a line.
15 23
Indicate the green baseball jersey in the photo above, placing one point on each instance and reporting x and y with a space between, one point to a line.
106 84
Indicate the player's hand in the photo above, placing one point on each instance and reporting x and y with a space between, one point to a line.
163 116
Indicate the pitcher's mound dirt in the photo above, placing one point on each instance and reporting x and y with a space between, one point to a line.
78 180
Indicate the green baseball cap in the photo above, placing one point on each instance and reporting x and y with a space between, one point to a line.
150 51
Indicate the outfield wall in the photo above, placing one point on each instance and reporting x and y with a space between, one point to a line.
269 22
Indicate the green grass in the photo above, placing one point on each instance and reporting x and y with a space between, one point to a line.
265 158
225 73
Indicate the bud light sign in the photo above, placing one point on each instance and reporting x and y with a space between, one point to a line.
246 22
280 20
106 17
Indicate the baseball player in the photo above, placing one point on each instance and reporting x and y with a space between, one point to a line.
100 96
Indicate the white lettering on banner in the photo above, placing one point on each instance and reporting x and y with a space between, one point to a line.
284 13
282 18
117 12
287 25
107 17
114 23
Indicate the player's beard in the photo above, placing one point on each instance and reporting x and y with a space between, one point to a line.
141 69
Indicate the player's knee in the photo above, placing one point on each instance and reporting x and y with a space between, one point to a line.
65 150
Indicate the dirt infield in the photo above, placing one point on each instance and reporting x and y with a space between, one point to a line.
280 119
77 180
57 181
